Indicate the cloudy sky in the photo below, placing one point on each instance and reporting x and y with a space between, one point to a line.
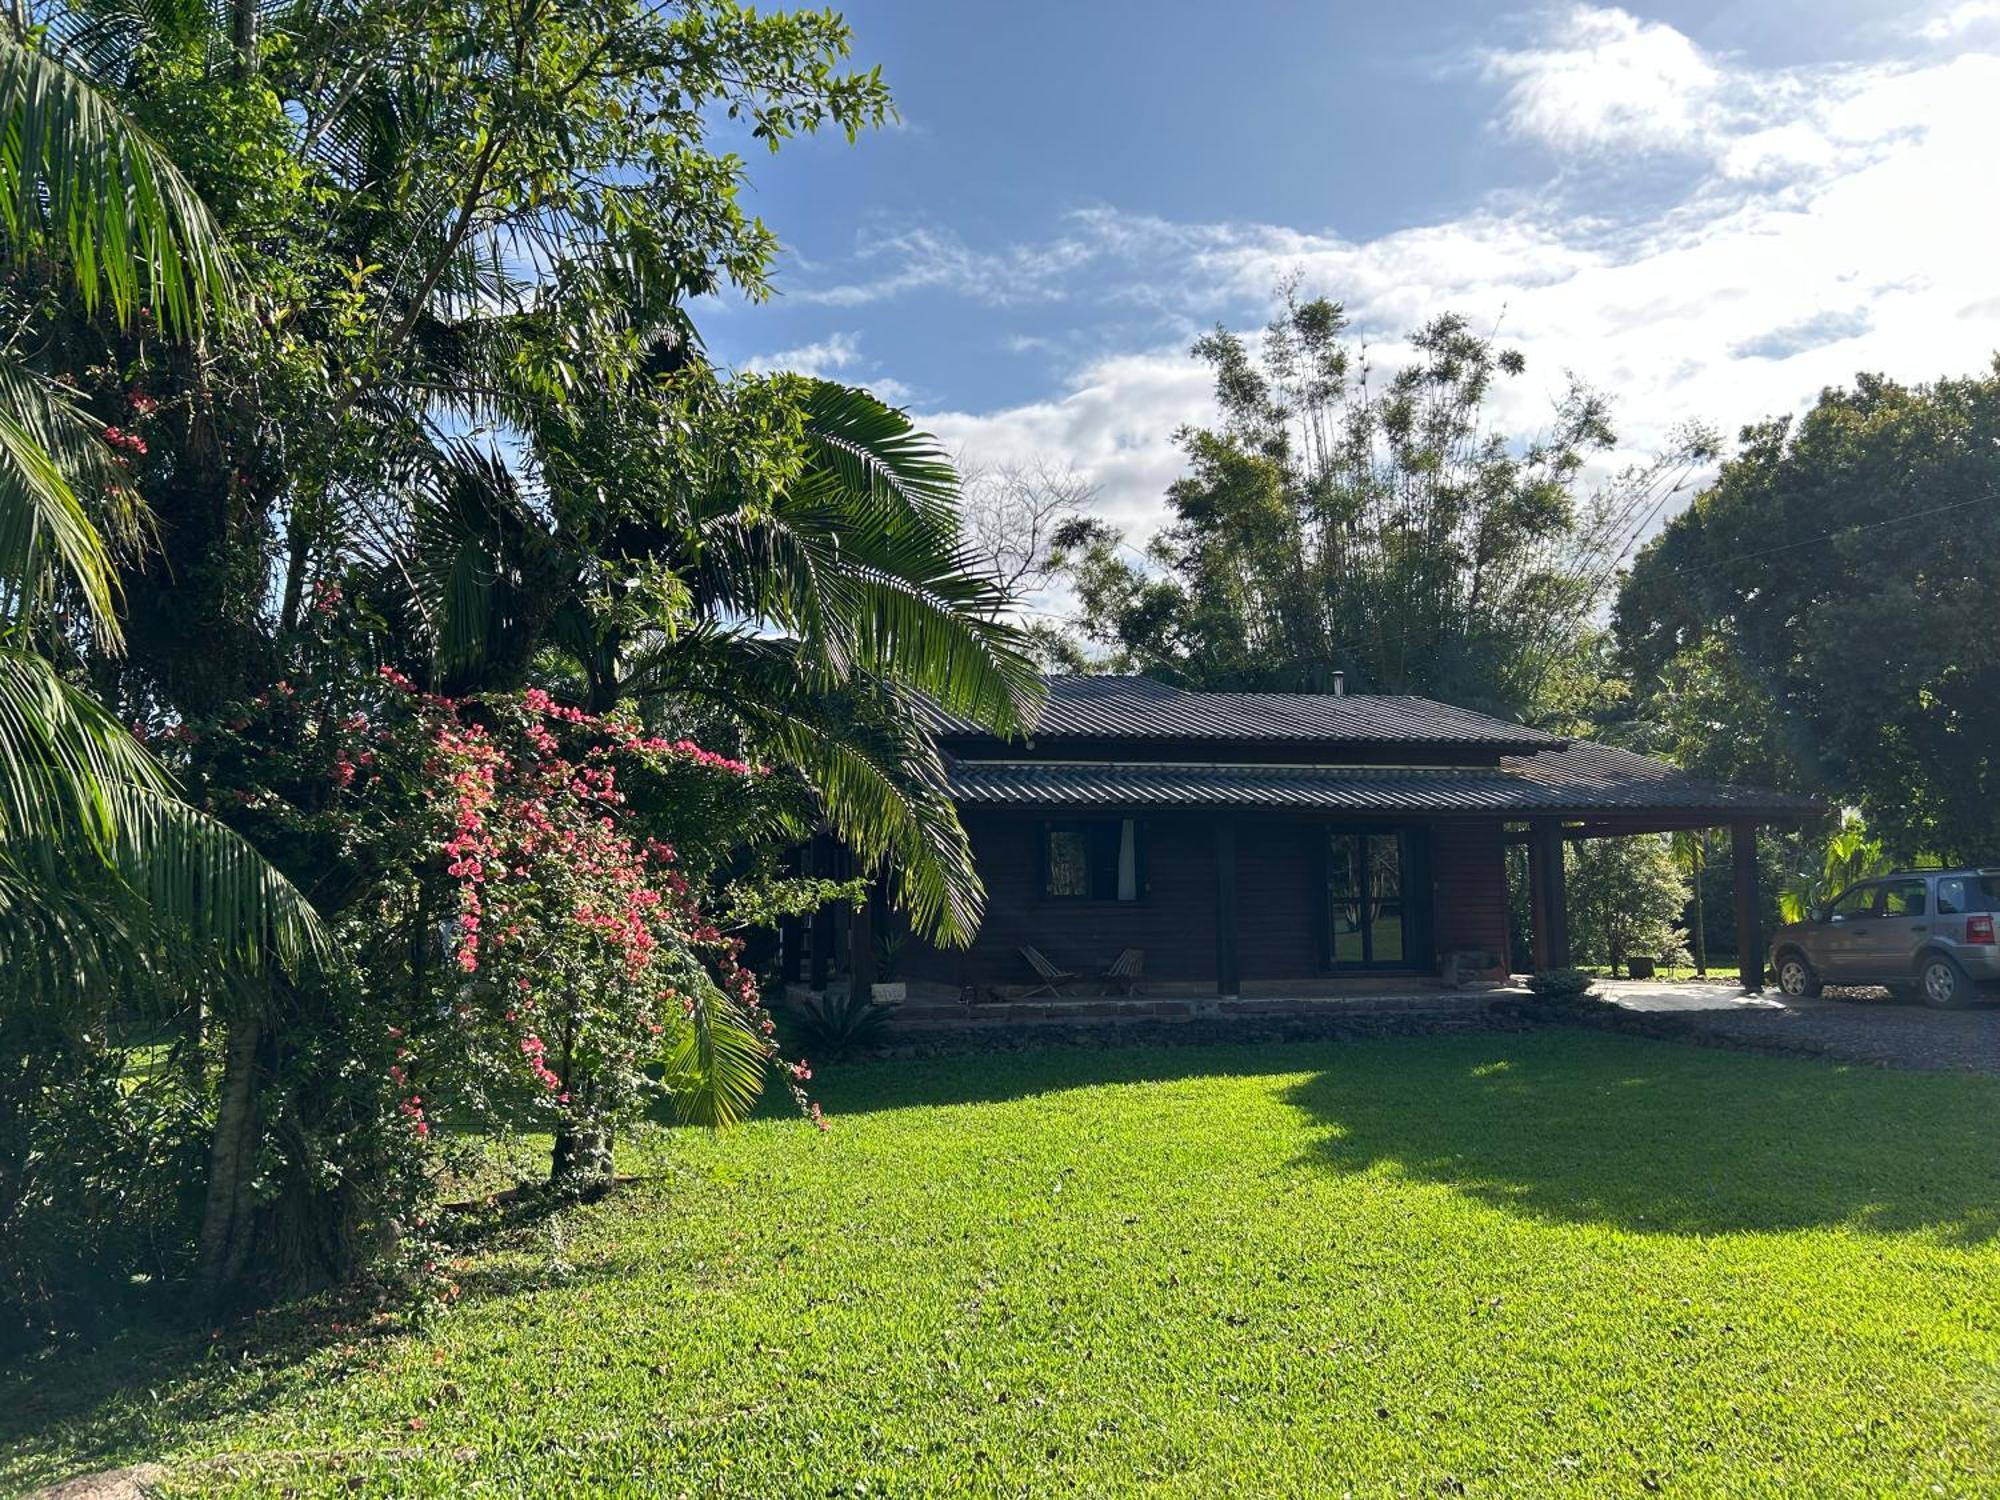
1708 210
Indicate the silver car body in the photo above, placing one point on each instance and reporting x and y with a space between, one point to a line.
1886 930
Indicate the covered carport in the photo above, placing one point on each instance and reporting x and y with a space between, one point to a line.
1599 791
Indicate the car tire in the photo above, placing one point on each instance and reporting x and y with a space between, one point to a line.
1796 979
1941 984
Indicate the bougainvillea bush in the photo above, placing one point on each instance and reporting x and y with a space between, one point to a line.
587 975
522 945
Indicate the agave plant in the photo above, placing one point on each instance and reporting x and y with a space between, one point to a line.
838 1023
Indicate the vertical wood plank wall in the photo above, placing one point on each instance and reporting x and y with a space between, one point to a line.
1469 860
1279 905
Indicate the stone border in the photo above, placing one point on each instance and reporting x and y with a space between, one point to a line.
1593 1013
1352 1024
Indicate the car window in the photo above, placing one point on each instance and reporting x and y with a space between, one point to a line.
1962 893
1903 898
1859 902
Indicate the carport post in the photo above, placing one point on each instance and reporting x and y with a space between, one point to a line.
1749 941
1548 894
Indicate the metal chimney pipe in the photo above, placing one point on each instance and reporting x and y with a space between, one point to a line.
1340 684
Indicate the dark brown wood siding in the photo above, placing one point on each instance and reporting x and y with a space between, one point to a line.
1173 920
1279 901
1470 874
1279 905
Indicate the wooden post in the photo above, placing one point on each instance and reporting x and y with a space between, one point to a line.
1749 941
1548 895
861 934
1226 982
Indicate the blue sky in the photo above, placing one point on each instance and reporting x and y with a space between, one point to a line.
1709 210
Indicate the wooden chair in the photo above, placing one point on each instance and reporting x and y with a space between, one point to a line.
1051 979
1127 971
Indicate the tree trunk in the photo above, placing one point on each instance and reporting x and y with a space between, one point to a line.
581 1161
228 1217
1700 936
243 32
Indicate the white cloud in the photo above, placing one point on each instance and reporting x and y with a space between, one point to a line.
1959 19
827 356
1605 79
925 258
836 355
1821 231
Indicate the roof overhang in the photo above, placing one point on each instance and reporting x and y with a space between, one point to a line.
1598 787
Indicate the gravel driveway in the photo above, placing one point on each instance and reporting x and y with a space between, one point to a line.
1859 1025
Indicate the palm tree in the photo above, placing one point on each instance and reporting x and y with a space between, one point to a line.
100 863
814 617
1690 851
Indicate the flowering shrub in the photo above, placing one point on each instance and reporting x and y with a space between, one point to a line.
588 974
516 943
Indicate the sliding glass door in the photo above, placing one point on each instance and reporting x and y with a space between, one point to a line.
1369 900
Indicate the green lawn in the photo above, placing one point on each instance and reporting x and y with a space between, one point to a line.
1551 1263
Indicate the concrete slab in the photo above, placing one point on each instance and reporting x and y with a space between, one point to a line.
1667 995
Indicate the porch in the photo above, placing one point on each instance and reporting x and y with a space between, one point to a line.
1231 914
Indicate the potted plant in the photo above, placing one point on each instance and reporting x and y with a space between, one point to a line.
887 988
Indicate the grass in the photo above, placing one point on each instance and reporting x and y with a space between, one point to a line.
1549 1263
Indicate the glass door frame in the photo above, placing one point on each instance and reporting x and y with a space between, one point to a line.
1413 870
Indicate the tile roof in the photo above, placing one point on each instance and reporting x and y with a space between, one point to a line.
1132 708
1582 779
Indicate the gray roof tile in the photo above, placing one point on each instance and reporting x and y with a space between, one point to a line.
1583 780
1132 708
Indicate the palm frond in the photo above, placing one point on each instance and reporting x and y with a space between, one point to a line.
861 748
85 807
61 753
874 450
717 1063
80 180
45 449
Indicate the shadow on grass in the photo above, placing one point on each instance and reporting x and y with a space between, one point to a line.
137 1396
1569 1126
1657 1137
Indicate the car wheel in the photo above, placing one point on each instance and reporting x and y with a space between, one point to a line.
1941 984
1796 977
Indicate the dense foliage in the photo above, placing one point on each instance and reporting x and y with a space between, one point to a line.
365 463
1823 615
1626 896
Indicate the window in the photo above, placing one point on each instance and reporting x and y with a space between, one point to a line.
1964 893
1367 912
1069 862
1859 902
1092 860
1903 898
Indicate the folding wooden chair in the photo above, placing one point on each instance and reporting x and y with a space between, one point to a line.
1051 978
1126 972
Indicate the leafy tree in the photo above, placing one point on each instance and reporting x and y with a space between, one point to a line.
1625 895
1846 855
1822 616
468 433
1393 531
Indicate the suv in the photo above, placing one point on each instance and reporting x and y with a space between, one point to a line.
1927 932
